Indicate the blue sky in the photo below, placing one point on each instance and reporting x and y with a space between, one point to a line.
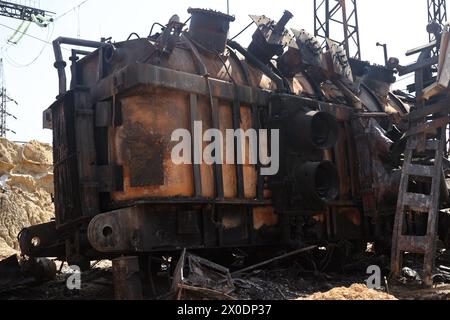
399 23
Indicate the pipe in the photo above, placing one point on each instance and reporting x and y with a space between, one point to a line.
60 64
313 130
127 282
281 25
112 54
386 59
258 64
318 182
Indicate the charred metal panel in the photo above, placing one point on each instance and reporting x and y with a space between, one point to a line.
147 228
67 184
86 153
41 241
74 157
145 157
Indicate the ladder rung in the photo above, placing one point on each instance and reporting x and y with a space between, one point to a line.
432 145
412 244
429 110
429 126
420 171
417 202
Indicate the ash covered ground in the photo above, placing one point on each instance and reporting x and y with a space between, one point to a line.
279 281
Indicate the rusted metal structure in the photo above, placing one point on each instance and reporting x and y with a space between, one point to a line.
338 20
119 193
423 185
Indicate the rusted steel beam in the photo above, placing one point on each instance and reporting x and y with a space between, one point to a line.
430 145
413 244
149 75
144 74
193 108
418 202
414 51
127 282
218 168
371 115
418 65
418 170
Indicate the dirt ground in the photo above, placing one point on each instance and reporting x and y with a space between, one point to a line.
274 283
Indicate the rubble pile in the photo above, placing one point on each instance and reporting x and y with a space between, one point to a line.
26 188
355 292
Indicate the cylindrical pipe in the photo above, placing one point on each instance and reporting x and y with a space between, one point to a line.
113 54
287 16
258 64
127 281
60 64
318 182
313 130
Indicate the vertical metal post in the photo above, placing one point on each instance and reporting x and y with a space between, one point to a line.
2 113
127 281
345 26
386 58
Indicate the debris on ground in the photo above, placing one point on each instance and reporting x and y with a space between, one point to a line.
195 276
26 188
284 256
25 272
287 282
355 292
96 284
410 274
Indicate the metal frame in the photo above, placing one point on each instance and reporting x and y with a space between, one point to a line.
437 11
4 100
328 18
21 12
17 11
3 112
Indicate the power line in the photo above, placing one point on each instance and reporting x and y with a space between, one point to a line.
7 46
16 64
29 35
69 11
24 33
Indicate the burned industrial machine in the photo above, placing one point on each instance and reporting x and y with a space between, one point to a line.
118 192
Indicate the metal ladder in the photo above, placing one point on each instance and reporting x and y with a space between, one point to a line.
423 136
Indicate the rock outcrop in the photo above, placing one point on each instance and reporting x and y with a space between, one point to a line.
26 188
